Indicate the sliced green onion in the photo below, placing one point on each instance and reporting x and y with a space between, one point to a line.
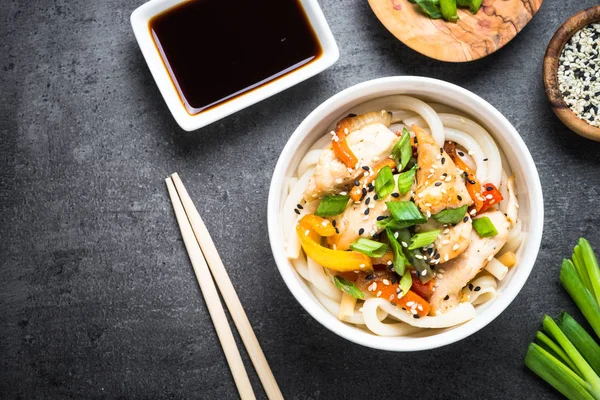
591 267
400 260
405 284
582 340
393 224
474 6
448 8
423 239
406 211
402 151
415 257
557 374
451 215
370 247
586 370
384 183
430 7
406 180
581 295
348 287
332 205
484 227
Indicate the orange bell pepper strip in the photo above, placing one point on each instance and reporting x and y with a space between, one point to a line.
340 146
350 124
390 293
471 181
424 290
310 229
495 197
356 191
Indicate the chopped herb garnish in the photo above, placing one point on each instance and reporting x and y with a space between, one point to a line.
406 180
406 211
370 247
348 287
384 183
450 215
332 205
423 239
400 260
402 151
484 227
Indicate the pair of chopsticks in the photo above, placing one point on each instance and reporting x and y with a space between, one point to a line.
203 255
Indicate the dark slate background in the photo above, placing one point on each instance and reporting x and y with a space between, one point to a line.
97 296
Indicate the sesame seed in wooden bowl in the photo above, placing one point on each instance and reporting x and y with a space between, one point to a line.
572 73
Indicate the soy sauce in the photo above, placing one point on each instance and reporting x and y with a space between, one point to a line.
216 50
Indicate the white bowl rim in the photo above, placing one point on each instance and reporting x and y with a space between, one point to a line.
536 220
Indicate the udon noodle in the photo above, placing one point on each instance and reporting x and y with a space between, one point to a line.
370 307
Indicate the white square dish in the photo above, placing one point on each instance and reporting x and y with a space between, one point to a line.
140 22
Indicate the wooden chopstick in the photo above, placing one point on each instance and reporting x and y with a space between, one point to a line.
211 297
229 295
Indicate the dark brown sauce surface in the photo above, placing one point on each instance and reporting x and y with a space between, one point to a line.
217 49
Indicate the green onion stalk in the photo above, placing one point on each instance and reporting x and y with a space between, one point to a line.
565 355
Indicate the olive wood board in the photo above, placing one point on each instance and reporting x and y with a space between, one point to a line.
474 36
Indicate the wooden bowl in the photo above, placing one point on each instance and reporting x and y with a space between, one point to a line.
471 38
551 59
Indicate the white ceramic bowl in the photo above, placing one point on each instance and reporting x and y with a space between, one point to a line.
531 210
140 19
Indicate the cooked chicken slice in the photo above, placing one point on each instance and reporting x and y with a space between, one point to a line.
439 183
452 242
354 223
370 144
458 272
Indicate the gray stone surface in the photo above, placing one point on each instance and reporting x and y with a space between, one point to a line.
97 297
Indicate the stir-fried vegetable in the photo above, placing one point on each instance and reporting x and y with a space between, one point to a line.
370 247
484 227
348 287
471 181
424 290
384 183
332 205
350 124
415 257
451 215
400 260
408 300
566 356
406 180
491 196
406 212
402 151
359 190
423 239
310 229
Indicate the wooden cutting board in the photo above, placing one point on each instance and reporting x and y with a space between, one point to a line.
471 38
